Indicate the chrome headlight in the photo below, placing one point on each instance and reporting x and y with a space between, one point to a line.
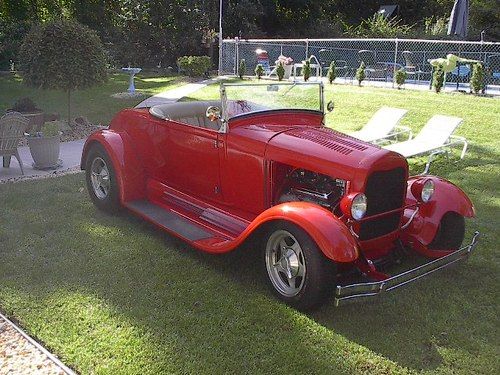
423 189
358 207
354 205
427 191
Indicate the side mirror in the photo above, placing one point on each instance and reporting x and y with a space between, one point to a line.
213 113
330 106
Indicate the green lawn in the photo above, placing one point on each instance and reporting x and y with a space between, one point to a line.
95 103
112 294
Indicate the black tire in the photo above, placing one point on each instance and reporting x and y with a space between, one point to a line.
318 276
450 234
105 199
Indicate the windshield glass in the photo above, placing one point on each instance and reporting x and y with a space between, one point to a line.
238 99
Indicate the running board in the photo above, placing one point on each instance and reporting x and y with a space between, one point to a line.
171 221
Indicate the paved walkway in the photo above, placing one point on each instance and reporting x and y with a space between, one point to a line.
174 95
71 152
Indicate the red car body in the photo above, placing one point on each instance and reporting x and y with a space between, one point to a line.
229 185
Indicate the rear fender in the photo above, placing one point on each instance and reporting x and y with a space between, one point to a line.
330 234
128 170
446 198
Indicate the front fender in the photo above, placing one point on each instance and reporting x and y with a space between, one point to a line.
128 170
329 233
447 197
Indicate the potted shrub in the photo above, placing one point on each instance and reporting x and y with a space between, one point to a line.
306 70
44 146
287 63
331 74
259 71
400 77
360 73
28 109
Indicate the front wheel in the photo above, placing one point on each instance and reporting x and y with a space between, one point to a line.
101 180
450 234
298 272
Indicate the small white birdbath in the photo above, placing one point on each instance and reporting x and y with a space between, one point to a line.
132 72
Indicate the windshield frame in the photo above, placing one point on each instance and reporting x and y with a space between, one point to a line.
223 96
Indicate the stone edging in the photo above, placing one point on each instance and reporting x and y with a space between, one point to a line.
22 336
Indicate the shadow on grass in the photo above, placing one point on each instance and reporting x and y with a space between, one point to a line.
115 292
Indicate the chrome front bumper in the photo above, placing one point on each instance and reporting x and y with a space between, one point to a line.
350 293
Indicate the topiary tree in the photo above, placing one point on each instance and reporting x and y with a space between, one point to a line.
259 71
477 78
360 73
242 69
438 78
62 55
400 77
331 74
280 71
307 70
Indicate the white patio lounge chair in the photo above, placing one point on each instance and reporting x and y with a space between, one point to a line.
434 138
383 125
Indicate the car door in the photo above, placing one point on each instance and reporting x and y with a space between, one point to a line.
189 159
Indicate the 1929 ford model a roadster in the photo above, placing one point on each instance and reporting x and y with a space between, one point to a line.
261 166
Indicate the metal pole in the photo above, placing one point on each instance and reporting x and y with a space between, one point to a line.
219 71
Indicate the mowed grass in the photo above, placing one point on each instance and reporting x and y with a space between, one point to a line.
96 103
112 294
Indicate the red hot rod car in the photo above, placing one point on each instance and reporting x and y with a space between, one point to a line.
318 203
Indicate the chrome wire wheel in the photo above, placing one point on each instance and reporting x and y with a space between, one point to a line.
285 263
100 178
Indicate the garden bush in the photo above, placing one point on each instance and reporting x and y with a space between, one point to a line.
360 73
280 71
306 70
259 71
194 66
242 69
331 74
438 78
400 77
477 78
63 55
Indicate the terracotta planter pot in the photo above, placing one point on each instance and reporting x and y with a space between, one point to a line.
45 151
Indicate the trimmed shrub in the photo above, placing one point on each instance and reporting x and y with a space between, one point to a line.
400 77
280 71
477 78
62 54
438 78
259 71
360 73
242 68
194 66
306 70
331 74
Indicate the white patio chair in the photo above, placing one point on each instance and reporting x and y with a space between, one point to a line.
12 128
383 125
434 138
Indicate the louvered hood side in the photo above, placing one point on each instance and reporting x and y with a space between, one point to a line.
327 151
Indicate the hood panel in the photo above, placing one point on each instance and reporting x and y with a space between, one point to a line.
329 152
329 138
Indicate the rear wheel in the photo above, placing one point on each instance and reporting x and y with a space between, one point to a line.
297 271
101 179
450 234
